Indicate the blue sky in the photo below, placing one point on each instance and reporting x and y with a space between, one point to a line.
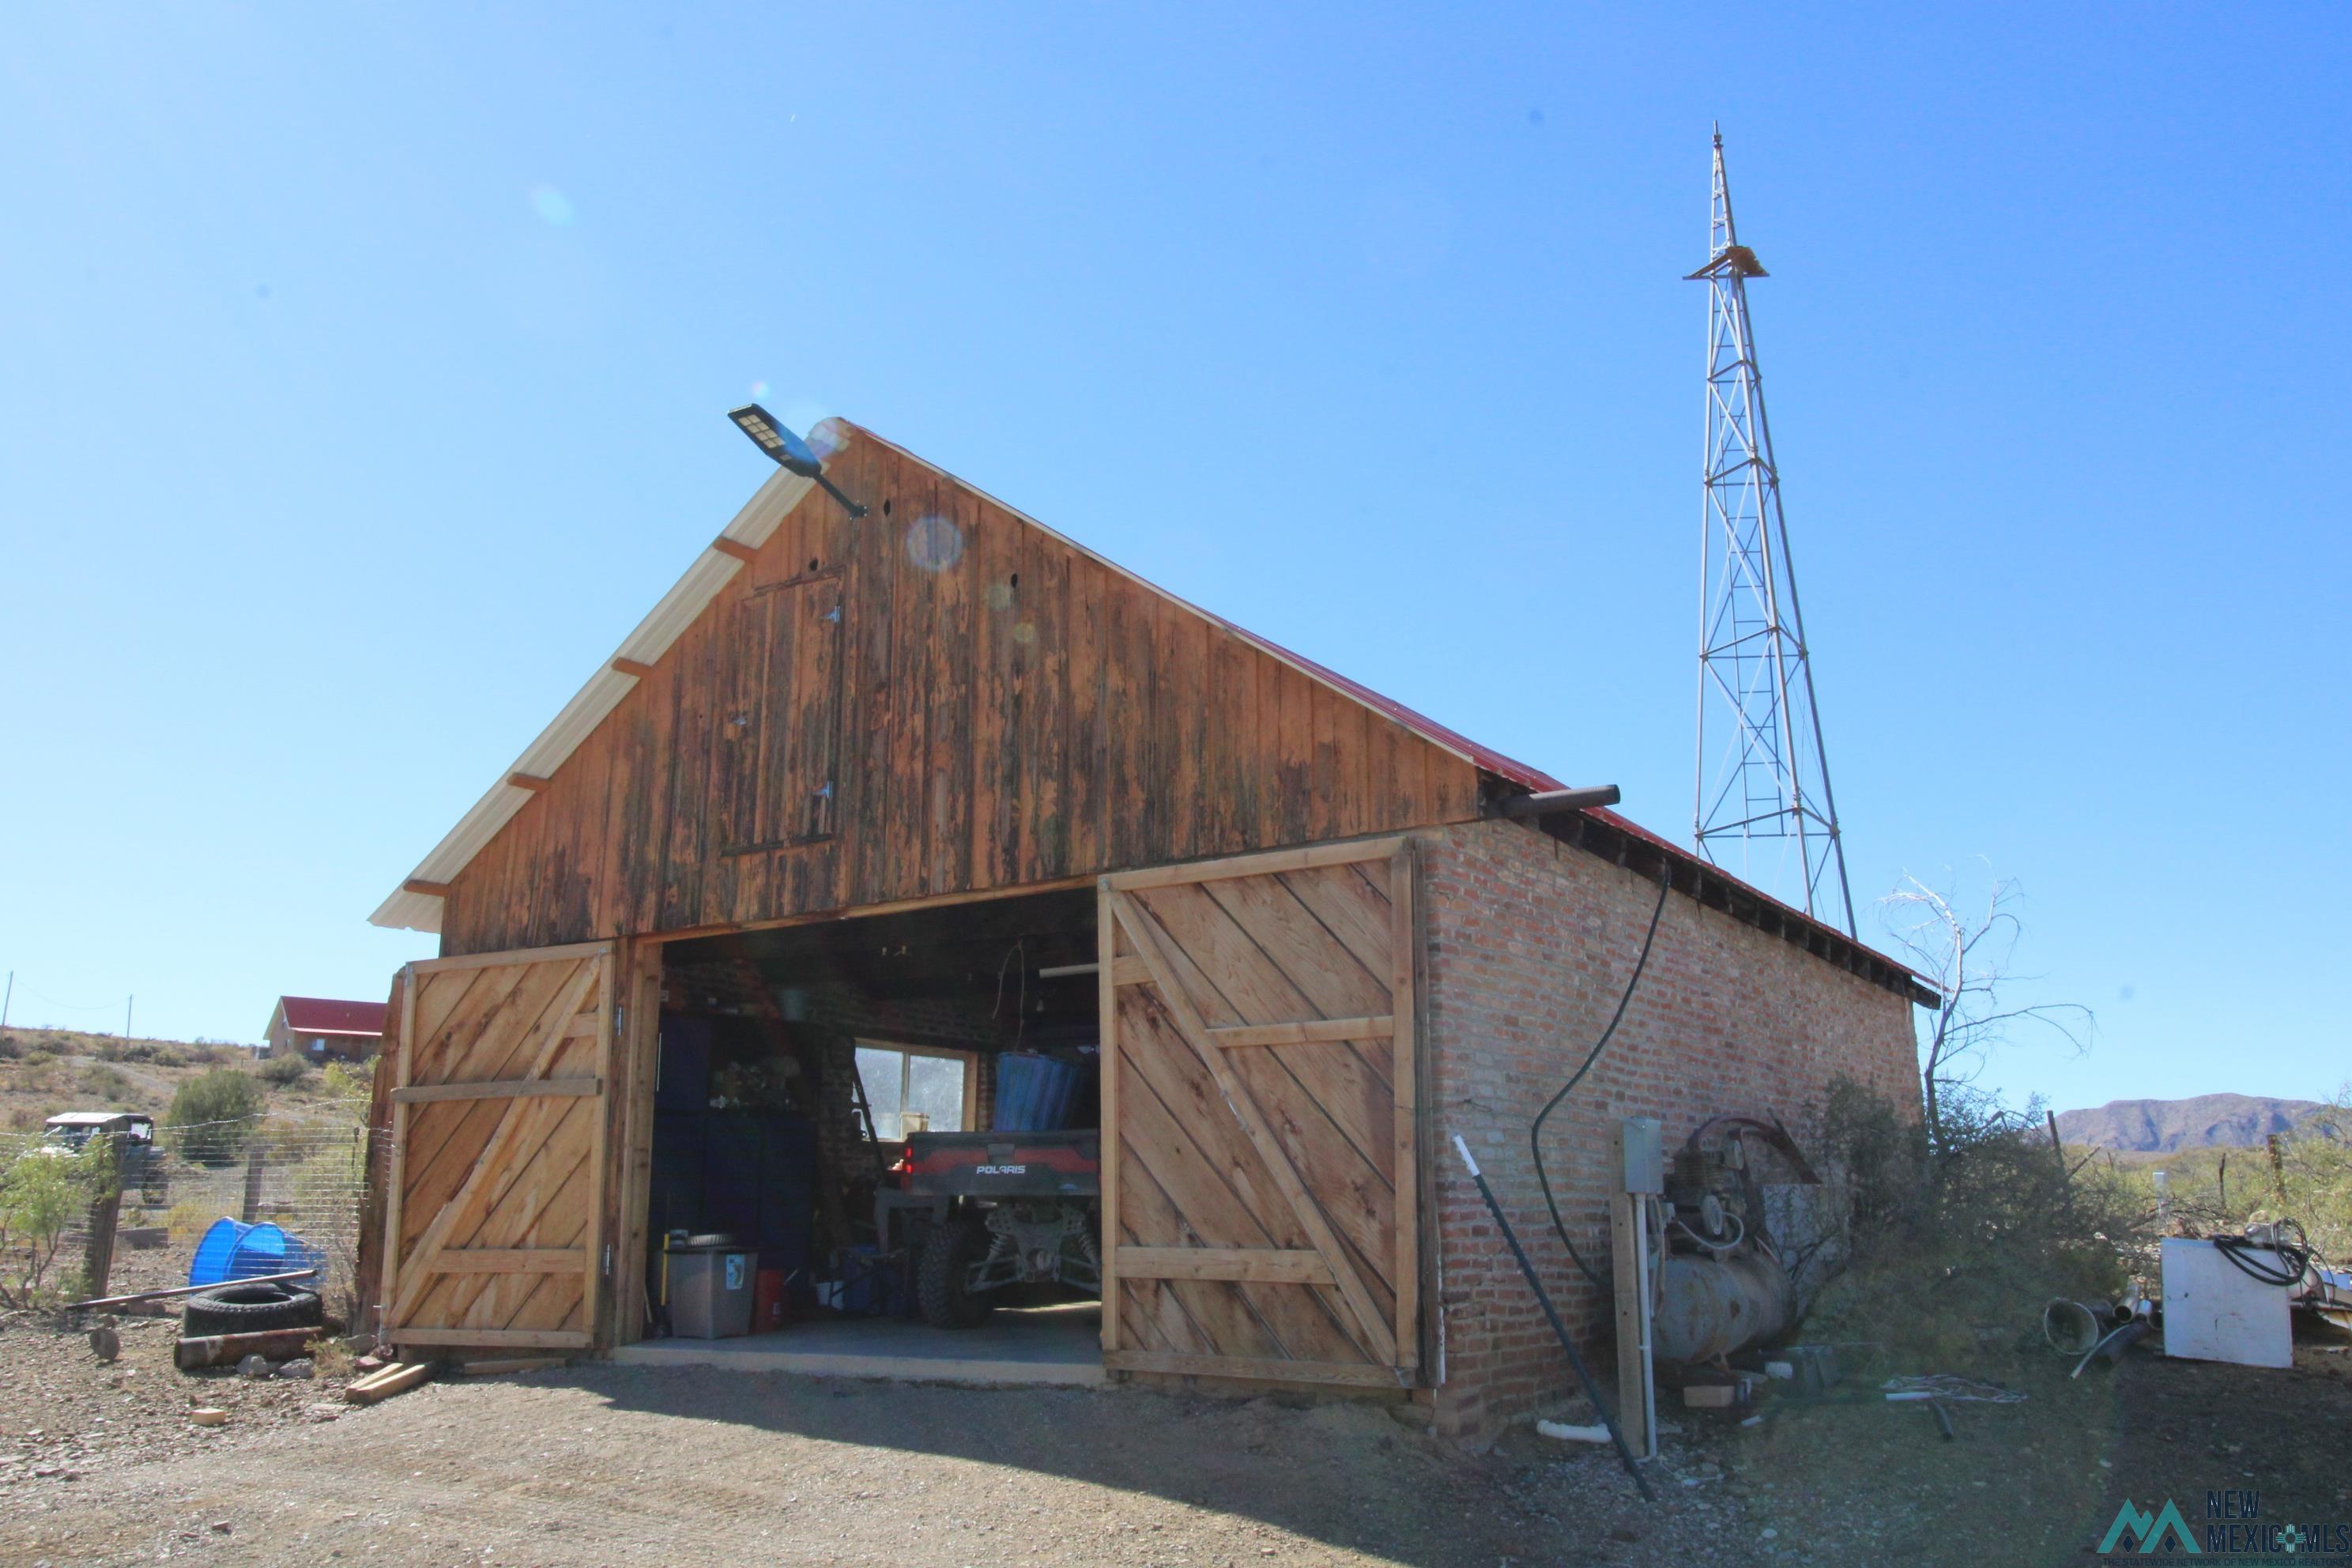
365 372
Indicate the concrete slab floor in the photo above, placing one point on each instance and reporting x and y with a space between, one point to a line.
1057 1344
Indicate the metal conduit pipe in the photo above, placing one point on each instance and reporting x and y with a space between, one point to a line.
1558 800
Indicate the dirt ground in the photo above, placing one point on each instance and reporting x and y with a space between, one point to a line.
600 1464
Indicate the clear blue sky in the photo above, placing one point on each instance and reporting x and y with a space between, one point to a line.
363 374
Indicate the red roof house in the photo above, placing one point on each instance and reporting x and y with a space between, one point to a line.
319 1027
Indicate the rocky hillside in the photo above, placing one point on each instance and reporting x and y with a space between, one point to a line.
2161 1126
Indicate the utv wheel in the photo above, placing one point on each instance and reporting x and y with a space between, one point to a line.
939 1276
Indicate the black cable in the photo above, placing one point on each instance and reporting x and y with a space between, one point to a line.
2293 1260
1535 1133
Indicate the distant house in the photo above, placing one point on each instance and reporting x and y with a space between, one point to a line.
318 1028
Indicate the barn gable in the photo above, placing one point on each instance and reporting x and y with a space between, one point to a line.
942 697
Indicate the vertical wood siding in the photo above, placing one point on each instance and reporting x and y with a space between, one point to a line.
996 708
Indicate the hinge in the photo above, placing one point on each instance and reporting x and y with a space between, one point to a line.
608 1260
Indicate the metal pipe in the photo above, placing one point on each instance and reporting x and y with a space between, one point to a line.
1559 800
1543 1300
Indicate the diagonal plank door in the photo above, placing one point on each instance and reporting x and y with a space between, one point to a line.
492 1230
1259 1117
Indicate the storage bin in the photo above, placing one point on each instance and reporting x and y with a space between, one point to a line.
710 1292
1033 1093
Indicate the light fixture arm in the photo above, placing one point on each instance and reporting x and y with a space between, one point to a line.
789 451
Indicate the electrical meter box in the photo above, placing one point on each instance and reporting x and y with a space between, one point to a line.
1641 1154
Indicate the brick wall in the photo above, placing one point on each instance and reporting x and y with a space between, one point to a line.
1530 942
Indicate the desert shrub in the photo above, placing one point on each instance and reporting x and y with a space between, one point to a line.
36 1074
1972 1225
284 1071
215 1114
11 1048
349 1080
103 1082
189 1219
41 1193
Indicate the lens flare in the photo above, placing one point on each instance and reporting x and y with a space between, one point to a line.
934 542
552 206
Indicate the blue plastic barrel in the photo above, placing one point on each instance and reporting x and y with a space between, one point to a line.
211 1263
233 1250
1033 1093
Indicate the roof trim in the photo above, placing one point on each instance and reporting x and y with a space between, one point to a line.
677 609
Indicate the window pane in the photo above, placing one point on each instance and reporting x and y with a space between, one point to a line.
879 1070
935 1087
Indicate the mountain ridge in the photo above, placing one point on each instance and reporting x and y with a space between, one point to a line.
2201 1122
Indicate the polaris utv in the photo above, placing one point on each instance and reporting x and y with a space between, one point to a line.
1003 1208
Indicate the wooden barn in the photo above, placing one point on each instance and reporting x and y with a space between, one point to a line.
875 817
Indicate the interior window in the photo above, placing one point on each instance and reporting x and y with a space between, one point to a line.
912 1090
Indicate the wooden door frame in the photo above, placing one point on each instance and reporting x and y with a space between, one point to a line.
1407 1329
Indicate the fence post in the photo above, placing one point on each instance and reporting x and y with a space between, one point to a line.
255 1161
97 1263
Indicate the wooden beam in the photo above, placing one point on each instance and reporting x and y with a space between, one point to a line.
1320 1029
508 1260
632 666
506 1088
1128 970
1405 947
531 781
1108 1093
430 889
1256 1264
860 912
520 955
1176 1364
384 1385
495 1339
1258 865
735 547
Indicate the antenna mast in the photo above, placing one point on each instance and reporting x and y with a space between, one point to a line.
1763 773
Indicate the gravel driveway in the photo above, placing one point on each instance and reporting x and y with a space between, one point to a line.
602 1465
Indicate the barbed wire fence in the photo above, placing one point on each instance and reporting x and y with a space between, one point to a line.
305 1171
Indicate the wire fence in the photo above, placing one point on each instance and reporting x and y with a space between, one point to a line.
305 1172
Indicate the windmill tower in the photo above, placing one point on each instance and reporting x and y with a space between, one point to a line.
1764 807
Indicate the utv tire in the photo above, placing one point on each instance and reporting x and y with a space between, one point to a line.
939 1276
248 1309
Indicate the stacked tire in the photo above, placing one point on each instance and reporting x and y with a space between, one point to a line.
249 1310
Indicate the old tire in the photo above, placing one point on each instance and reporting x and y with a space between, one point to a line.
248 1309
939 1276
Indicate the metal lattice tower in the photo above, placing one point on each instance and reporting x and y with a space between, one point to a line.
1764 807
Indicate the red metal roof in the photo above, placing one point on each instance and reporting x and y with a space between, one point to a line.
322 1016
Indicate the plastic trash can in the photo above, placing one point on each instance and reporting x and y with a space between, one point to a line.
710 1292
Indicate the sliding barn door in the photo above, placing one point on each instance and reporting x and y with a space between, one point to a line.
494 1226
1258 1117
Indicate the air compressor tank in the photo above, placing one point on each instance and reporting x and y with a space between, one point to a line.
1711 1306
